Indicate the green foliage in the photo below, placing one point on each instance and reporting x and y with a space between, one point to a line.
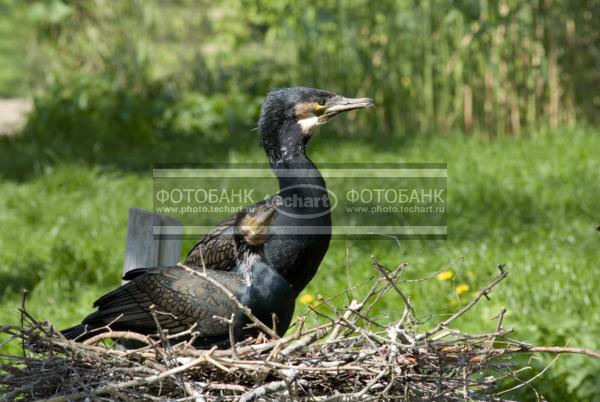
529 203
489 66
216 118
14 33
119 86
94 120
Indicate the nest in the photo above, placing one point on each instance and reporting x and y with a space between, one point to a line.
352 356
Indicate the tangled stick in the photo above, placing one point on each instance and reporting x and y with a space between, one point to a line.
352 356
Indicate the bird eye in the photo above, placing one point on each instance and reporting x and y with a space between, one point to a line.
321 101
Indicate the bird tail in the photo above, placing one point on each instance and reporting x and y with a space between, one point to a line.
76 332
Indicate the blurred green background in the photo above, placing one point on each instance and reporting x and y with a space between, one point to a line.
505 91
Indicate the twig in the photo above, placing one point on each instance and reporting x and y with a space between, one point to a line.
107 389
467 307
354 306
23 302
131 336
230 322
350 354
500 318
549 349
383 271
247 312
532 378
168 355
266 389
307 340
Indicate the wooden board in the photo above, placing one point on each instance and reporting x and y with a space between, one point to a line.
143 248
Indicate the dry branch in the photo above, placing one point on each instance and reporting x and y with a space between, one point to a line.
353 356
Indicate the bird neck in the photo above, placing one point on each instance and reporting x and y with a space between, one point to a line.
299 179
284 143
303 223
302 189
296 170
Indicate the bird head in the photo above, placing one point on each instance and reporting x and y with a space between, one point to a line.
289 117
253 224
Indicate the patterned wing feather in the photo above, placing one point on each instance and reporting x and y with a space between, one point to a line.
216 250
180 299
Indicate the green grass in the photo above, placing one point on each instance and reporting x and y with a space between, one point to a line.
15 33
531 203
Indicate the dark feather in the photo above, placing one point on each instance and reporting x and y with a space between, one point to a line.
180 299
217 249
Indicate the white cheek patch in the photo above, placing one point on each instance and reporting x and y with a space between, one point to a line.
308 124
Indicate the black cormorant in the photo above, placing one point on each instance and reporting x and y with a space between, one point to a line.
264 258
296 248
182 298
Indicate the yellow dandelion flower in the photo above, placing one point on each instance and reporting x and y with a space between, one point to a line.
445 276
462 289
307 299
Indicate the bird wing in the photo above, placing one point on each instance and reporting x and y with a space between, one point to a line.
179 297
217 249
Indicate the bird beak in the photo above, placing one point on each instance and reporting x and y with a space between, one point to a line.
339 104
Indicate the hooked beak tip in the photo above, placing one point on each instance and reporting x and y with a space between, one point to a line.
342 104
369 103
